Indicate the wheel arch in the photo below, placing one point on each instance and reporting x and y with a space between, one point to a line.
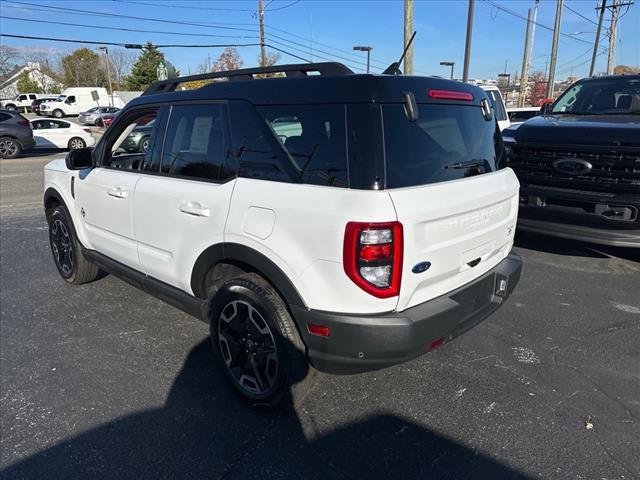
247 259
53 198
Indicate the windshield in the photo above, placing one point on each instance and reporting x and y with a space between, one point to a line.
61 98
600 97
447 142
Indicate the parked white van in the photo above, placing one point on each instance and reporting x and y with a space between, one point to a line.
79 99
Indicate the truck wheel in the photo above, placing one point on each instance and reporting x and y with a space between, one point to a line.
57 113
9 148
11 107
76 143
257 344
72 265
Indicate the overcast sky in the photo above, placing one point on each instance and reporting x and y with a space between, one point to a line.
329 29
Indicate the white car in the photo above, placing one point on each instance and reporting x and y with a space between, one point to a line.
60 134
334 222
499 107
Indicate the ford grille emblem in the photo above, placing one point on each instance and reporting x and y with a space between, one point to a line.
572 166
421 267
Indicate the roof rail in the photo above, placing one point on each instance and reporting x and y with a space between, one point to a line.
291 71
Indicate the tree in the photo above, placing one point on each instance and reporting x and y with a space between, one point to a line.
121 61
27 85
9 57
46 72
145 68
82 68
229 59
270 59
620 69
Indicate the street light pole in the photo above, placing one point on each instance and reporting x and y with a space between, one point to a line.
106 56
449 64
365 49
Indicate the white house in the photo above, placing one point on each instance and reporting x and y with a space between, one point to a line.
9 82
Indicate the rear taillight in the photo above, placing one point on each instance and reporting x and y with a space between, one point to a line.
451 95
88 130
372 257
24 123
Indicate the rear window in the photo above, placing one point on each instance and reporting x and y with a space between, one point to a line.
447 142
498 106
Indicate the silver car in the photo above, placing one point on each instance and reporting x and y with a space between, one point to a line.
91 116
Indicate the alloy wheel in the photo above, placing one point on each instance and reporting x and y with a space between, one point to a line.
62 247
248 347
8 148
76 143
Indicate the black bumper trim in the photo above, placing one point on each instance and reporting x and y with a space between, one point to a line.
360 343
601 236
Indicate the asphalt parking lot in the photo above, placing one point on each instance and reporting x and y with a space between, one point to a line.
104 381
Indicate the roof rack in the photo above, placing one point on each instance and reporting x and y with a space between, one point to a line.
291 71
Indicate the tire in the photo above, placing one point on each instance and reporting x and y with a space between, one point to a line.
76 143
270 336
9 147
57 113
11 107
143 146
67 252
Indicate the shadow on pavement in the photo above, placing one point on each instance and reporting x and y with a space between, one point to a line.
205 431
561 246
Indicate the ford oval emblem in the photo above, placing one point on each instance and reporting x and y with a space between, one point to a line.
572 166
421 267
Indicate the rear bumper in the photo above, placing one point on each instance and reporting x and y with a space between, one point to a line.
27 143
360 343
600 236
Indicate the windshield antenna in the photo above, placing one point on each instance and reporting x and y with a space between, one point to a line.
394 68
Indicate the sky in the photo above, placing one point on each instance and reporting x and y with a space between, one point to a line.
323 30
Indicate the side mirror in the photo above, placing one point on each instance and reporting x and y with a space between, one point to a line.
79 159
545 108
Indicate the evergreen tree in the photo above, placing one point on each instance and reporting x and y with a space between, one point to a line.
27 85
145 69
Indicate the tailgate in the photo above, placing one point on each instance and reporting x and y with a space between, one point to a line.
463 228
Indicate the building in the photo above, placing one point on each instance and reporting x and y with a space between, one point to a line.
9 82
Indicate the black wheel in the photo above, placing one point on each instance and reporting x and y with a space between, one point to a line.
76 142
58 113
73 266
9 148
11 107
257 344
144 145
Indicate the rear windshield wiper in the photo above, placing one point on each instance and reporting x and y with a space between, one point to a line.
469 164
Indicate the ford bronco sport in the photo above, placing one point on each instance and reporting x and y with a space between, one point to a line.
326 221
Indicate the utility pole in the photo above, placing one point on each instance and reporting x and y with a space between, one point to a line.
524 75
408 32
603 7
263 54
467 45
106 56
554 49
533 34
613 33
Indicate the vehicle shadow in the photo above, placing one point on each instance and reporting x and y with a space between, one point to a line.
561 246
204 431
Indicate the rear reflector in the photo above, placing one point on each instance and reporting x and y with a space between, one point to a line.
319 330
438 342
450 95
88 130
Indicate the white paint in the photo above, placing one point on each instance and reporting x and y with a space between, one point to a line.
525 355
490 408
460 392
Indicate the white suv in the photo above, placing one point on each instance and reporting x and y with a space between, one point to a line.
333 222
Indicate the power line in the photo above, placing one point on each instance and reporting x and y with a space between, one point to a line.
282 8
580 15
139 46
217 9
137 30
515 14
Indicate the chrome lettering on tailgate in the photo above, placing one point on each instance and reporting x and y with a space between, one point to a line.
477 219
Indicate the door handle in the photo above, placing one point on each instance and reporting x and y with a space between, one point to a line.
195 208
117 192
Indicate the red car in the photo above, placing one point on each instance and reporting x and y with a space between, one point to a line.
106 119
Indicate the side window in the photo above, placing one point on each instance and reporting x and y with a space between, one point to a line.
32 97
128 145
56 124
314 137
196 143
4 116
257 150
71 99
37 125
22 98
